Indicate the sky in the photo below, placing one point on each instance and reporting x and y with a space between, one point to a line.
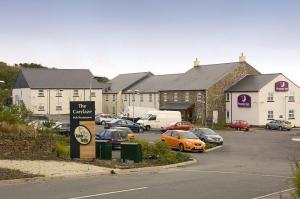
162 36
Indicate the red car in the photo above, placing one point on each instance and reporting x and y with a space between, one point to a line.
240 125
178 126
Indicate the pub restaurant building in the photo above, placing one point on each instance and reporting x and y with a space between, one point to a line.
261 98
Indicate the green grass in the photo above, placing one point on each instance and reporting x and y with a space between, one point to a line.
63 147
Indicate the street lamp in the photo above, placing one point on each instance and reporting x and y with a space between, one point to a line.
91 81
133 99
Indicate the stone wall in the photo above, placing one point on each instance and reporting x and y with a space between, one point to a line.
216 95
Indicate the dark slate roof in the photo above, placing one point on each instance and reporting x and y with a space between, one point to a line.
123 81
176 106
55 78
252 83
155 83
202 77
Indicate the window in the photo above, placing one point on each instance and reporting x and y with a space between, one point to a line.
41 107
291 114
150 97
199 96
165 97
227 97
114 97
93 94
270 97
175 97
59 93
75 93
227 114
59 108
106 97
114 110
141 97
125 97
41 93
291 97
187 97
270 115
133 97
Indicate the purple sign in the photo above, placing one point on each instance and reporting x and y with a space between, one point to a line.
281 86
244 101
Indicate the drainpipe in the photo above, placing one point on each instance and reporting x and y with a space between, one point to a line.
49 102
231 107
205 107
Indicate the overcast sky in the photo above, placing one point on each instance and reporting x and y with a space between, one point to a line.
162 36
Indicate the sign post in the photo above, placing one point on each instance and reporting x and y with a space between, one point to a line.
83 129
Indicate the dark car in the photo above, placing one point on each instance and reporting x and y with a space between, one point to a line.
178 126
116 136
63 129
207 135
279 124
136 128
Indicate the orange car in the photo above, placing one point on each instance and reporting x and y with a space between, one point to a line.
183 140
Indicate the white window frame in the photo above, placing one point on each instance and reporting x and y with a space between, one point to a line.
186 96
291 114
270 115
176 97
41 107
141 97
59 93
106 97
41 93
227 115
58 108
199 97
125 97
291 97
150 97
114 97
75 93
165 96
93 94
270 97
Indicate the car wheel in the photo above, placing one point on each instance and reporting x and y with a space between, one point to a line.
181 147
141 130
280 128
147 128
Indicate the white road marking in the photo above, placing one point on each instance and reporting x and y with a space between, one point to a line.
240 173
108 193
274 193
296 139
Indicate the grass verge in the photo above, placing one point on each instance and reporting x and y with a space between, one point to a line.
9 174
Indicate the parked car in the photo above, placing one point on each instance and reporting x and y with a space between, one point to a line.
63 129
131 135
178 126
116 136
183 140
240 125
136 128
103 118
158 119
279 124
208 136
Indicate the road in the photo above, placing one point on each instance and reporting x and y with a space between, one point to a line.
251 164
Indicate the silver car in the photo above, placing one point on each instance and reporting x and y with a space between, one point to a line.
279 124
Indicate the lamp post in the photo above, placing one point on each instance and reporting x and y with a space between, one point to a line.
91 81
133 100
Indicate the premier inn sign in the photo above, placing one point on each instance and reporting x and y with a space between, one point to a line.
281 86
83 129
244 101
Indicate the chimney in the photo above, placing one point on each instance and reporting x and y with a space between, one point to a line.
196 62
242 58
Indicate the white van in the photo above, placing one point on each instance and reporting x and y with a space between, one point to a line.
158 119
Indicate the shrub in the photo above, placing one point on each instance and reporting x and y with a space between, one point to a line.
63 147
296 181
173 157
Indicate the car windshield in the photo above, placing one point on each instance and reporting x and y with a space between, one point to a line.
188 135
208 131
114 120
146 117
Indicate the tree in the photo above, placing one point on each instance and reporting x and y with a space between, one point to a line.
102 79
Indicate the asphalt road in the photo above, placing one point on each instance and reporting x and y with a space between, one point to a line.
250 165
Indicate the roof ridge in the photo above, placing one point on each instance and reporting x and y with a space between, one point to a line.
220 63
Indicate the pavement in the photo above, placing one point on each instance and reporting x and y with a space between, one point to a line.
251 165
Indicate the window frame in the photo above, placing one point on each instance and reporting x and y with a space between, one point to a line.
186 96
199 96
270 113
227 97
41 93
165 97
56 108
291 97
150 97
291 115
175 97
270 97
75 91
